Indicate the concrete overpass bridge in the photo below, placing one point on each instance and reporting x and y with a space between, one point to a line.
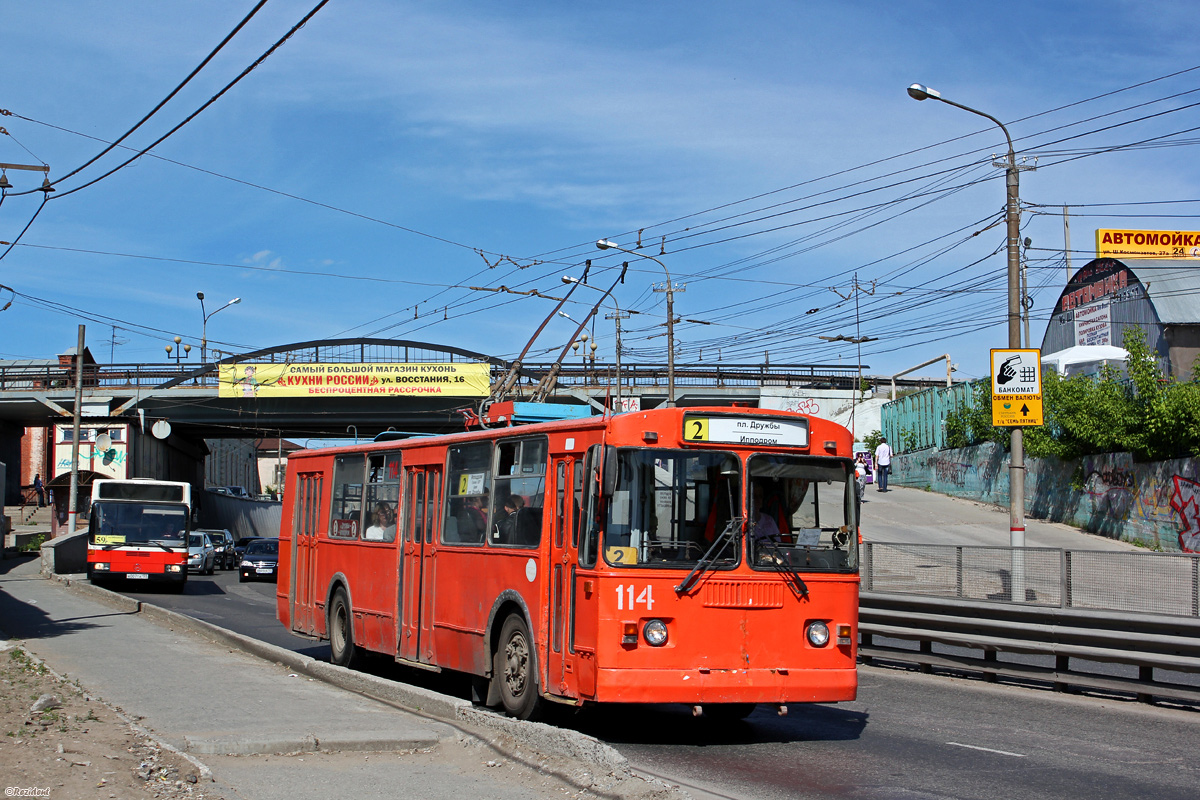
191 399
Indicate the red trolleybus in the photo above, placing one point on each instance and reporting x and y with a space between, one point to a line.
139 530
706 556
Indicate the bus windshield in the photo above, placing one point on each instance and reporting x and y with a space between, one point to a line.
802 513
669 507
138 523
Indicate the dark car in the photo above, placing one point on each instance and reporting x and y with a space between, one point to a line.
240 546
260 561
222 541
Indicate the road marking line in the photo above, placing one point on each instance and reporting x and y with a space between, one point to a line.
986 749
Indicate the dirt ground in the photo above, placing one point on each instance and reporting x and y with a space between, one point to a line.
59 742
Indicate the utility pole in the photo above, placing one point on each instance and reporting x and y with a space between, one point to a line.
618 315
857 341
73 500
1012 215
1067 237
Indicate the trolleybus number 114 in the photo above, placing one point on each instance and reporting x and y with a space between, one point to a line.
645 597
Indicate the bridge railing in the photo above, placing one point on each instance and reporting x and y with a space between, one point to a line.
19 378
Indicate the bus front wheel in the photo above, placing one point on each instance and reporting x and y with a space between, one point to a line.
342 650
515 668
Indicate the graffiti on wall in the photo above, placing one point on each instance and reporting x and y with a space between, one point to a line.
953 472
1112 490
1157 504
1185 500
803 405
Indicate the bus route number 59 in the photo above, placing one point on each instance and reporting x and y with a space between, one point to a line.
625 598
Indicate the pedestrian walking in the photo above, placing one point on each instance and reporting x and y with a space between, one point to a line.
883 464
40 488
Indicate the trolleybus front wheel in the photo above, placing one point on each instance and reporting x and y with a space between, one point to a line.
515 669
342 650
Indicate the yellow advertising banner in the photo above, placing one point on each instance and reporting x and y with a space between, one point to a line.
420 379
1147 244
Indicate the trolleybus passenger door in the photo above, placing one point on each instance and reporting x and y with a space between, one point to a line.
422 486
584 614
561 566
304 552
410 566
433 526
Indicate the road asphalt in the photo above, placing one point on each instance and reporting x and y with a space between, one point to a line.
225 698
215 695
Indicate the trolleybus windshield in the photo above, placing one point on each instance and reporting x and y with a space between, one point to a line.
802 513
667 507
138 523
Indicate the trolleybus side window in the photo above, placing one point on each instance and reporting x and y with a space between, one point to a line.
468 488
383 497
346 508
518 494
578 515
590 504
811 503
433 498
416 515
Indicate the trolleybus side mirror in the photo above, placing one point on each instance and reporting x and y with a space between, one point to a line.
608 477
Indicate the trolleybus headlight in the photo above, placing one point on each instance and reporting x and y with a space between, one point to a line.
174 568
818 633
655 633
101 566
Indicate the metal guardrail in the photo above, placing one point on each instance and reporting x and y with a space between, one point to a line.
1134 582
965 627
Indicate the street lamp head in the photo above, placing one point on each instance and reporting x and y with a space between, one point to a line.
568 279
235 301
199 295
919 92
605 244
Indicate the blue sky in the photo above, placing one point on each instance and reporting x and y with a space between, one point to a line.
393 154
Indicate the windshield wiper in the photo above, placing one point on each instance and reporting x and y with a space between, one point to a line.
783 564
714 552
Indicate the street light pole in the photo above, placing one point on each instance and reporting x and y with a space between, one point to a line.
605 244
1016 469
204 324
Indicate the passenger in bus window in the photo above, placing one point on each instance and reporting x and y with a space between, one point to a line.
382 519
504 531
475 515
765 527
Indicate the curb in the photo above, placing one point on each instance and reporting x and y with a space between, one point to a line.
536 736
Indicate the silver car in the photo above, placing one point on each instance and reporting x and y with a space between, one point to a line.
202 556
222 542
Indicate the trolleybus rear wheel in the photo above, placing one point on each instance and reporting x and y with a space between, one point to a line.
516 669
342 650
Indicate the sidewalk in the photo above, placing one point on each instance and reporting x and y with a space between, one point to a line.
913 516
232 704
